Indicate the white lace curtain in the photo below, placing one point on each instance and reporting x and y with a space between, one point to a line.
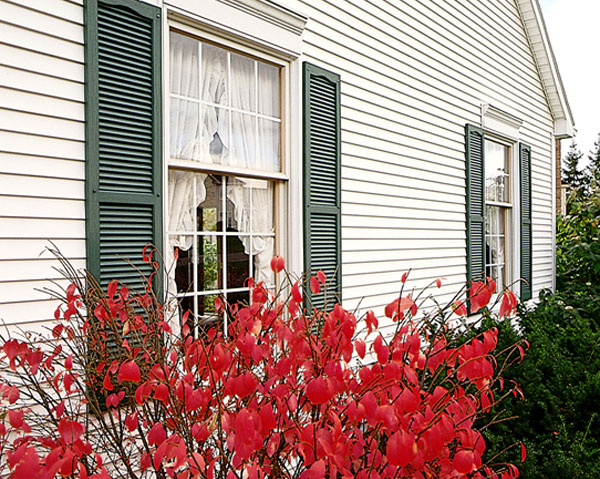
215 98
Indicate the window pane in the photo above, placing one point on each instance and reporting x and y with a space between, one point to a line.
243 141
186 304
268 90
184 65
238 261
184 271
207 316
185 119
262 252
496 171
243 83
215 135
495 244
214 74
241 297
210 203
262 206
268 146
209 263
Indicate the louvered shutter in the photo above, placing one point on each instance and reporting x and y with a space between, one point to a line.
475 183
123 137
322 202
526 226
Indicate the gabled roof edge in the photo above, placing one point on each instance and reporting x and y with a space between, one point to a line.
531 14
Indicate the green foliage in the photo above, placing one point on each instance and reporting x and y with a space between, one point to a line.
559 419
578 245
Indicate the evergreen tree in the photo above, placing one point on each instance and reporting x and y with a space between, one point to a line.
592 172
571 174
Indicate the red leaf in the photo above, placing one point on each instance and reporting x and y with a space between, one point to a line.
277 264
318 391
401 448
296 294
107 383
523 452
111 289
162 393
360 347
157 434
505 307
70 431
459 308
464 461
372 322
404 276
29 465
129 371
438 283
131 422
321 277
69 362
15 417
315 287
13 394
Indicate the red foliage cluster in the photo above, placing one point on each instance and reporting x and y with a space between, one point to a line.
275 398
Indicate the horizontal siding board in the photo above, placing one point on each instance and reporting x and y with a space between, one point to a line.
62 9
37 208
17 121
42 228
30 312
38 42
28 291
22 79
408 163
42 166
40 187
33 249
37 21
22 143
33 103
42 269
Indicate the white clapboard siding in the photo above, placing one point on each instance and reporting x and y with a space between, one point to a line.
41 152
413 74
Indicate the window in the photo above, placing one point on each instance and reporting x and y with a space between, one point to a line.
498 209
492 192
223 174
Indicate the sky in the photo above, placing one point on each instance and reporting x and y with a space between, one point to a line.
574 30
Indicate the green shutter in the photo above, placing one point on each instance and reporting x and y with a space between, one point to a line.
526 227
322 202
475 192
123 136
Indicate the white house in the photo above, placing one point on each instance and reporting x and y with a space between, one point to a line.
365 137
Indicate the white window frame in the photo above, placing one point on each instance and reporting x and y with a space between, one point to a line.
511 227
288 200
502 125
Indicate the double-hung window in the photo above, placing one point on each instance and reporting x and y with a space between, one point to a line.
495 189
224 172
498 212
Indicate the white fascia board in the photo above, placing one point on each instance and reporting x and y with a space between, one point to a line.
533 20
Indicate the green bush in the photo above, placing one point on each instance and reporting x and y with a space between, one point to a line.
559 419
578 245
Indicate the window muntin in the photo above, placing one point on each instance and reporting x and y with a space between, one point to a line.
224 110
498 210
